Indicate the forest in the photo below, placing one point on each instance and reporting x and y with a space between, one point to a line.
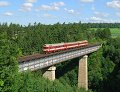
18 40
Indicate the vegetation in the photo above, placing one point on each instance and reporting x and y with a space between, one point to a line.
102 25
103 33
115 30
17 40
32 82
8 64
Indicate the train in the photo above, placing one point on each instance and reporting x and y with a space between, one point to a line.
51 48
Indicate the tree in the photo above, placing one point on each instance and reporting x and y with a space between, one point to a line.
103 33
111 50
8 64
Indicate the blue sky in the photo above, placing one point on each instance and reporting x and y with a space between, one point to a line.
53 11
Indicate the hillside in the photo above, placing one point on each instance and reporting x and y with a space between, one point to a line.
17 40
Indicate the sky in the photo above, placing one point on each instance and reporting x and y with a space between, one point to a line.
53 11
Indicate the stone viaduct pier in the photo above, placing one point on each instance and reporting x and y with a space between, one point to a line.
47 62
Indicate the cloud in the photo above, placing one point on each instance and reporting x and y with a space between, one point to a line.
112 21
57 4
95 19
102 20
4 3
101 14
114 4
26 7
118 14
31 1
93 8
48 7
8 13
48 15
98 20
51 6
87 1
71 11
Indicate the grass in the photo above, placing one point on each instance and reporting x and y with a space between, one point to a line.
114 31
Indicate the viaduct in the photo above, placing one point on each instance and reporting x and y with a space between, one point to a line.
47 61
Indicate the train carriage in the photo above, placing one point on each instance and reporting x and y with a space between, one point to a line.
49 48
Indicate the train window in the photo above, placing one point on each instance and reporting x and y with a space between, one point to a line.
45 47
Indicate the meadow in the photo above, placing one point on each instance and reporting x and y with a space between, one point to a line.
115 32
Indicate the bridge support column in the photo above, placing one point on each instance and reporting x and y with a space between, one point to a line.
50 73
83 73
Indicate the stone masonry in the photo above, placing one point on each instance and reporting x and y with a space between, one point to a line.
83 73
50 73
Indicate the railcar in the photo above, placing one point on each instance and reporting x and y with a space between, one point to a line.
50 48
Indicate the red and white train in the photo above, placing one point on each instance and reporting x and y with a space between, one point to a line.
49 48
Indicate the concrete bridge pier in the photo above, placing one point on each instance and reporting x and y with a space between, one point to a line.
83 73
49 73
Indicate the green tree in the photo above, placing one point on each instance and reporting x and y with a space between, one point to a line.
103 33
8 64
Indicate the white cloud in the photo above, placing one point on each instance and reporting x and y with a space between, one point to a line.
31 1
8 13
98 20
4 3
48 7
87 1
114 4
48 15
112 21
71 11
102 20
118 14
101 14
26 7
95 19
57 4
93 8
51 6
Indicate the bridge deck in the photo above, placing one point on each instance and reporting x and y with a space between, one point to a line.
39 61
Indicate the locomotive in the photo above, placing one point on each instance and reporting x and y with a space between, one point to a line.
50 48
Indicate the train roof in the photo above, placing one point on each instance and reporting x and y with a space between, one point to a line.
57 44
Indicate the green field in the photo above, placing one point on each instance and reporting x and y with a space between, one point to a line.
115 32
